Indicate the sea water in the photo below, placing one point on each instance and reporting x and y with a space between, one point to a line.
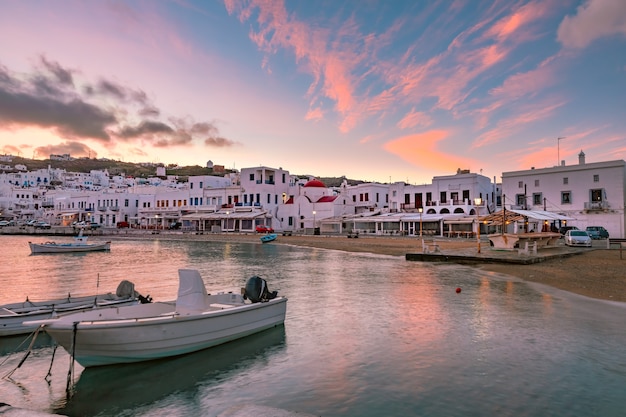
365 335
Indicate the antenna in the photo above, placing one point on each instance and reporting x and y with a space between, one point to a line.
558 150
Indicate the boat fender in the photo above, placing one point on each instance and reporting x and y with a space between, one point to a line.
256 290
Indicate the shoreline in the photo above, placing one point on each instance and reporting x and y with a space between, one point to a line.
595 273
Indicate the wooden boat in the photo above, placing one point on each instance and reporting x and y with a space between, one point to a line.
13 315
79 244
268 237
195 321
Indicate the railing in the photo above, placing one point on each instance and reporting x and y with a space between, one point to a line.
597 205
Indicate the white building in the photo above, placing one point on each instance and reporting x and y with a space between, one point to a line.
594 194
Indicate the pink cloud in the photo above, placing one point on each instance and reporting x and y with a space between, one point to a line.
506 127
526 83
516 21
594 20
314 114
421 151
413 119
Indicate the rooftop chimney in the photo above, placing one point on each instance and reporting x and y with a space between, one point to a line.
581 158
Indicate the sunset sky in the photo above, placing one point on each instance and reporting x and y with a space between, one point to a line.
370 89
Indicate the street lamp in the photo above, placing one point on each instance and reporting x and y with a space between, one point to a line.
227 220
313 221
477 202
420 210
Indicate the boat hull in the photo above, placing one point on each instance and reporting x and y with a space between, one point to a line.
13 316
52 247
269 238
157 331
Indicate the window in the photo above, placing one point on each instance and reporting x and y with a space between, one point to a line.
566 197
536 183
597 195
443 197
596 178
520 200
251 177
537 199
565 181
520 184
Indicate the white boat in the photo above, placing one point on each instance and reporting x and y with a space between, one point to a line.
13 315
79 244
195 321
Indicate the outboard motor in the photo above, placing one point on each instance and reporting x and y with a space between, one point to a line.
256 290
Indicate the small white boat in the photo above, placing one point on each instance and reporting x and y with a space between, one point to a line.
13 315
79 244
269 237
195 321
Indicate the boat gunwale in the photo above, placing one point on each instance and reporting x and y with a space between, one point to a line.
64 323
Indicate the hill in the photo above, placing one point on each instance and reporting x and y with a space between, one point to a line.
140 170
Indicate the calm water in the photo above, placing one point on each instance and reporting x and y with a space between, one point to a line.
365 335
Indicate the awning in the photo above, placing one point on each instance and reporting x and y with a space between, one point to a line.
520 215
541 215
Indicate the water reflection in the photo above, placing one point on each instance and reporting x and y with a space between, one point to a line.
112 389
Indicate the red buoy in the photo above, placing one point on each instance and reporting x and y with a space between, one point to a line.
458 290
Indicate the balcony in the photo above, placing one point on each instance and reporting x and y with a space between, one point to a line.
114 208
102 208
597 205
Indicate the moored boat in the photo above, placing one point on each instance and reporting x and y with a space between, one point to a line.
79 244
268 237
195 321
13 315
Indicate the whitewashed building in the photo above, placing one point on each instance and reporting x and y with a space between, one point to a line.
593 194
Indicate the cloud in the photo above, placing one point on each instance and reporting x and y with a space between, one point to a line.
105 111
76 149
413 119
593 20
421 151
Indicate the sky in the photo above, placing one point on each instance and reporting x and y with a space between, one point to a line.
373 90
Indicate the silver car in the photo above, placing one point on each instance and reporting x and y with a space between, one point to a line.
577 238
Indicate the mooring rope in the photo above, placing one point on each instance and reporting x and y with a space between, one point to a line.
70 372
30 348
51 362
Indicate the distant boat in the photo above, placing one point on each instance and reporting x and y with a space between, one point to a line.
13 315
269 237
78 245
195 321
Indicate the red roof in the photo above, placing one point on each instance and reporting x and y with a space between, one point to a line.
315 183
327 199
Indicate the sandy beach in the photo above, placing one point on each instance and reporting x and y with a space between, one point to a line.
596 273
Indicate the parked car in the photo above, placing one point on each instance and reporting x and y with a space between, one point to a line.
42 225
4 223
122 225
264 229
564 229
575 237
597 232
176 225
86 225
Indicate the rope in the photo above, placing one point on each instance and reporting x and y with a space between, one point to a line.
51 362
30 348
70 372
